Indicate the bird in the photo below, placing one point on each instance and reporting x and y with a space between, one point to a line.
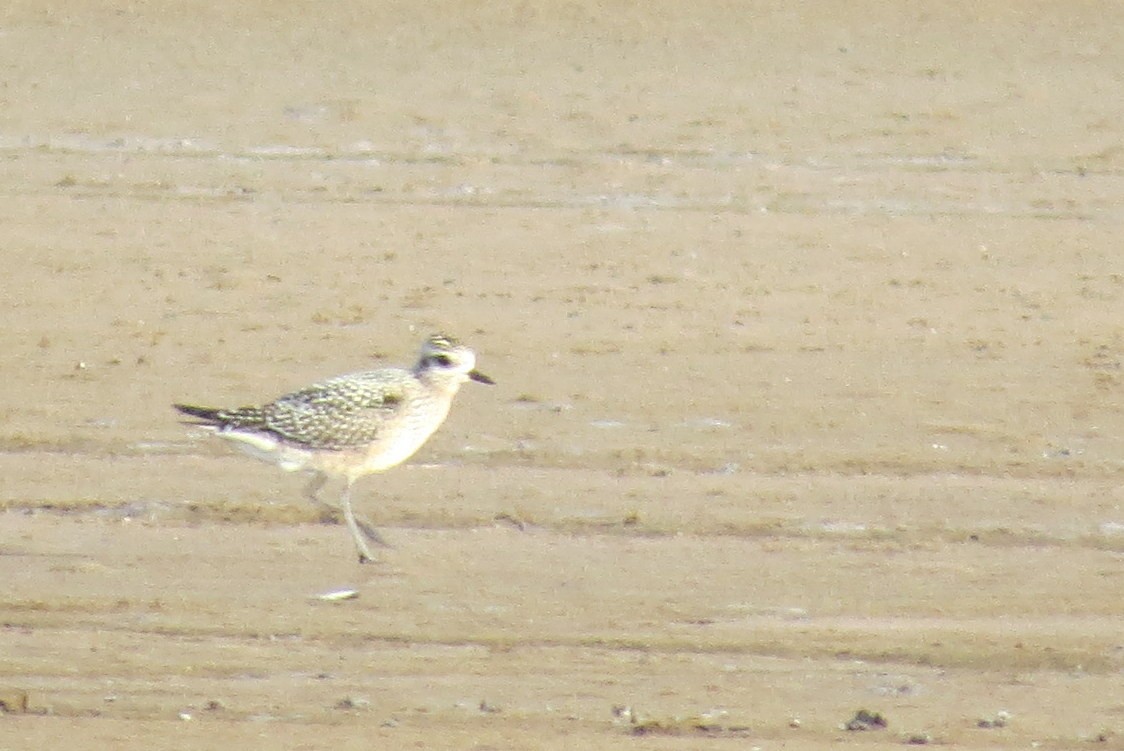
351 425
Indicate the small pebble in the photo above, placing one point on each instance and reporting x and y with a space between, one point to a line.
338 595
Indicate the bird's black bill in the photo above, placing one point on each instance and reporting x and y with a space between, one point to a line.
479 377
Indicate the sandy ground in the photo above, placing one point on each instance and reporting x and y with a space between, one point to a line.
807 324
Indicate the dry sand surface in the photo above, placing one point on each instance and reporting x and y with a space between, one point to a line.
808 326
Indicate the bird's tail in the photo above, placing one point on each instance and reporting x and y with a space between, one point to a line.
203 413
247 417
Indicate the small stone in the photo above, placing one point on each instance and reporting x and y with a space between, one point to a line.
998 721
338 595
864 720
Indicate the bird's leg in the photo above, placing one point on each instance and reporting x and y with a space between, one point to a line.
360 544
315 484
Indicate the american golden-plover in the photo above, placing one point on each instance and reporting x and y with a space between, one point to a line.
351 425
